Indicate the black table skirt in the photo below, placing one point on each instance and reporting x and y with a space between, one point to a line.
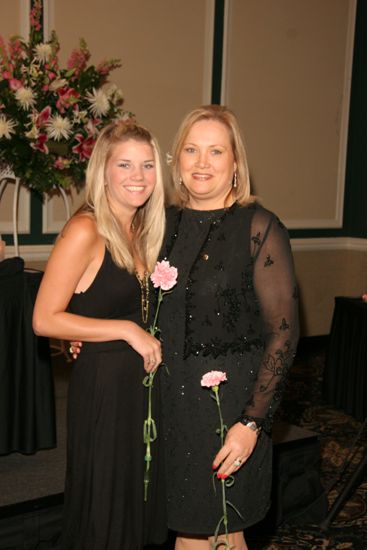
345 377
27 404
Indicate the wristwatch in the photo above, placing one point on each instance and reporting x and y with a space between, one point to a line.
251 424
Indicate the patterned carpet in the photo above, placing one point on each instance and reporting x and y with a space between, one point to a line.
304 406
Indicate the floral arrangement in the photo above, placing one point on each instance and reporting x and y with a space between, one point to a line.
164 277
50 117
212 380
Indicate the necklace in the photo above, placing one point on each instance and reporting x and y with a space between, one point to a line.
144 289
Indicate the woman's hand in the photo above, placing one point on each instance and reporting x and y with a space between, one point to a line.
146 345
141 341
75 348
238 446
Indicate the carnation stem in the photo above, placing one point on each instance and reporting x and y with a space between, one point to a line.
150 432
153 328
223 482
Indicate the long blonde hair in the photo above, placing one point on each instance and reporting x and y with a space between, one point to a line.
149 220
220 113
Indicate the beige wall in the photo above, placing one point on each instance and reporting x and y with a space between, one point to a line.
286 73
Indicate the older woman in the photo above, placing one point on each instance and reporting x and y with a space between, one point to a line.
234 310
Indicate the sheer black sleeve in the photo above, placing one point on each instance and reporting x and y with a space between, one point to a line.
275 288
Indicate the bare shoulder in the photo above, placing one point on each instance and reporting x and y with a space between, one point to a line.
81 229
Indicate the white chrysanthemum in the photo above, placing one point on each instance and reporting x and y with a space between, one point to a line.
25 97
43 52
99 104
58 127
6 127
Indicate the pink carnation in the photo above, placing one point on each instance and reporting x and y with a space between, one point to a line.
164 275
213 378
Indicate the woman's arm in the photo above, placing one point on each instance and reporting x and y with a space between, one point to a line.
77 254
275 287
276 290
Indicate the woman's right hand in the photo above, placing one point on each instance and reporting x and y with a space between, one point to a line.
141 341
146 345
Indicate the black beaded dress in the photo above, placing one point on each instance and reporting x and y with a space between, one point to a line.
104 504
234 309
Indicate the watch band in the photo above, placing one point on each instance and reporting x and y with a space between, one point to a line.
250 424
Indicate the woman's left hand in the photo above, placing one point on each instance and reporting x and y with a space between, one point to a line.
238 447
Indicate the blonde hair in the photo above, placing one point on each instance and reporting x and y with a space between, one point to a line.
149 220
222 114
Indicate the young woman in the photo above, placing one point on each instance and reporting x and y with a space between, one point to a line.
96 289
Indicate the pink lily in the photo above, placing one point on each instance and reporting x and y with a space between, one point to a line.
84 147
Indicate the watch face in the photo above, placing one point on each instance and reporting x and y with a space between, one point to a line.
252 426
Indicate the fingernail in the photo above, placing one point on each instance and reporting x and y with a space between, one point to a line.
224 476
219 476
214 466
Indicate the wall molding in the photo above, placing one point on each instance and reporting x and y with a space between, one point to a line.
25 8
23 210
31 253
336 221
329 243
50 225
48 18
208 51
344 117
41 252
312 223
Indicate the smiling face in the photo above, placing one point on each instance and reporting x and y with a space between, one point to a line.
207 165
130 176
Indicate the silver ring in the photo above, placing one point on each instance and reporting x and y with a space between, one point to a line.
71 350
237 462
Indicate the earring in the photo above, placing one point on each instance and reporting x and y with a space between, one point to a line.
235 179
180 181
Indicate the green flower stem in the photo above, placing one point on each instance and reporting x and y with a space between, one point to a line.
149 432
222 427
224 518
150 428
153 328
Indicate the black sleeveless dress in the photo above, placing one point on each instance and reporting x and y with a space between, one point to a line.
104 504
